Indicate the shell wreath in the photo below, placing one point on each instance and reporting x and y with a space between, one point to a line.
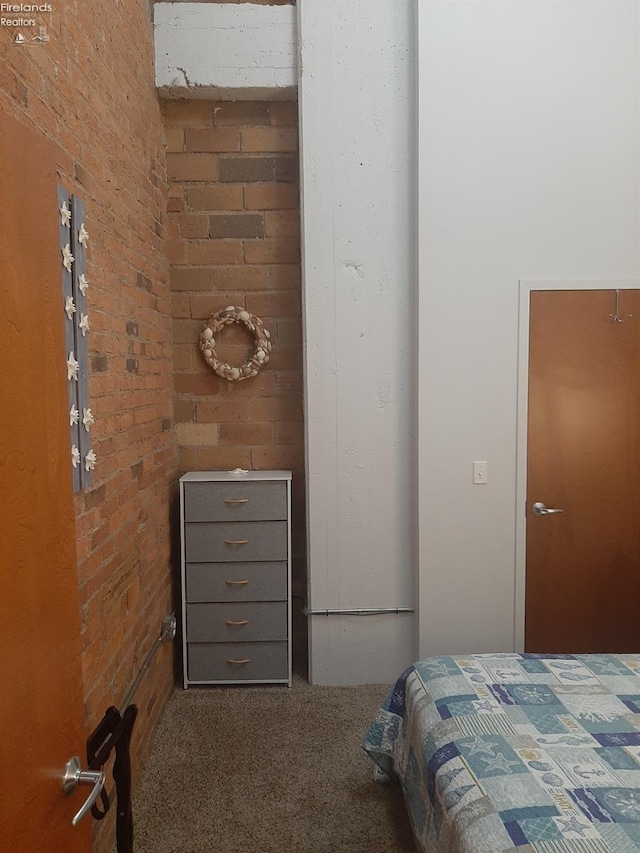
254 324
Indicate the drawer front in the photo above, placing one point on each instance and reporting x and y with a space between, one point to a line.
236 581
230 542
237 622
237 661
251 501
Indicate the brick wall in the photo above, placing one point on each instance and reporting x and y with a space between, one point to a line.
91 90
234 228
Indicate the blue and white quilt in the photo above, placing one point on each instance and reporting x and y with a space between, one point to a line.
510 752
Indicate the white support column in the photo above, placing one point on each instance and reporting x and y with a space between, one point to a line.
357 122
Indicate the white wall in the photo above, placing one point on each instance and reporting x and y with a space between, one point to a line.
528 169
225 50
357 118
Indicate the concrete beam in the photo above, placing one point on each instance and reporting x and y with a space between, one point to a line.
225 51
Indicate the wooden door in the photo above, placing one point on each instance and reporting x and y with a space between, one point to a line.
583 565
41 710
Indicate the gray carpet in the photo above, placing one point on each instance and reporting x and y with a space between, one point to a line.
267 770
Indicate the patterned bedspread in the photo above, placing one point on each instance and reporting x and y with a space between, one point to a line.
511 752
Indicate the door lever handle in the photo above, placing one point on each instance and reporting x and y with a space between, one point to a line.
74 775
540 509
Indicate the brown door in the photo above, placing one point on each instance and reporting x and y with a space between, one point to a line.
41 709
583 564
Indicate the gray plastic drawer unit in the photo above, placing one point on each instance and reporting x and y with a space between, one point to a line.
236 577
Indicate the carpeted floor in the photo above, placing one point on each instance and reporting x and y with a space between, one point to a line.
267 770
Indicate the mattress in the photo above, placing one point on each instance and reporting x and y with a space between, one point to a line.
522 752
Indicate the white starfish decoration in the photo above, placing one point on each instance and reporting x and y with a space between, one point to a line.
90 461
69 307
87 418
83 284
65 215
75 456
74 415
83 235
83 325
73 367
67 257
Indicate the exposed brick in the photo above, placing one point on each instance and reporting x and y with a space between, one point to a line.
226 458
263 409
246 434
236 225
269 139
285 358
197 435
212 139
223 411
184 411
192 167
191 279
186 331
248 257
289 432
175 205
202 305
94 497
143 281
199 385
215 252
247 169
287 168
174 137
180 306
272 250
239 113
215 197
284 114
277 456
189 113
194 225
284 276
182 357
176 252
271 197
82 176
99 363
282 223
188 459
241 278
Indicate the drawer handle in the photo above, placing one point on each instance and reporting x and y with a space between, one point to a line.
236 583
236 500
237 622
244 660
236 541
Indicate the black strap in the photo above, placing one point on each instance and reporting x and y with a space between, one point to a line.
114 732
122 776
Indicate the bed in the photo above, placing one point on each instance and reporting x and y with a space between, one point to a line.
521 752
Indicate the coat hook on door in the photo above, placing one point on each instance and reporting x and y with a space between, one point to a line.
616 317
